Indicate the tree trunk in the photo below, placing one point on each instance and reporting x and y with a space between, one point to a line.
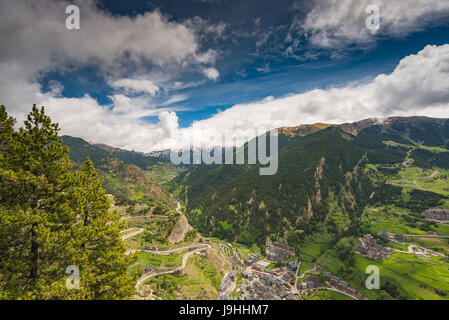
34 253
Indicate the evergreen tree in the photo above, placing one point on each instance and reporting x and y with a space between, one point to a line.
51 217
6 124
104 263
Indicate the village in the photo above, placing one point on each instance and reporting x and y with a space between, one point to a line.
277 275
259 281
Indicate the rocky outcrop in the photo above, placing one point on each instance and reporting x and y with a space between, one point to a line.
179 230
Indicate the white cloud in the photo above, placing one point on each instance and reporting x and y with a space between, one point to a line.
174 99
135 85
169 123
97 123
35 41
36 34
211 73
419 85
337 23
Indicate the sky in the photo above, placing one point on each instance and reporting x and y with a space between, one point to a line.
153 75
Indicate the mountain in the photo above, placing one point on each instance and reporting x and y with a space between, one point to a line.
322 175
139 159
303 129
123 177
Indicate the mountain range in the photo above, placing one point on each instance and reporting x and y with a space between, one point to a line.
323 173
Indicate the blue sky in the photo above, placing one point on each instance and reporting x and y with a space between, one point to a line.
202 57
241 79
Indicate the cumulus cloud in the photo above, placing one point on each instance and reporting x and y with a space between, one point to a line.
96 123
419 85
337 23
35 41
211 73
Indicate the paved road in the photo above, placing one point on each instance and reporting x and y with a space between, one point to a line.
144 216
178 207
147 276
132 234
169 251
424 236
298 265
342 292
411 251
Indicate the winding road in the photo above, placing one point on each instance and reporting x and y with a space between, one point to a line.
132 234
147 276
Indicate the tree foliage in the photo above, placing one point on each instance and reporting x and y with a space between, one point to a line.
52 217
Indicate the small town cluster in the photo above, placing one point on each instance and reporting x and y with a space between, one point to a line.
277 277
372 249
437 214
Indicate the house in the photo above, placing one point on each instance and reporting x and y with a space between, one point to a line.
342 286
279 251
248 275
438 214
258 267
315 267
312 282
292 265
251 259
392 237
178 272
149 268
372 249
287 276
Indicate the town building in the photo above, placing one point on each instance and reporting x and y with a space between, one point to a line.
343 286
279 251
311 283
258 267
251 259
392 237
371 249
149 268
248 275
315 267
438 214
292 265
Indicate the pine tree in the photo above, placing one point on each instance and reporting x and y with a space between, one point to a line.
34 177
103 263
51 218
6 124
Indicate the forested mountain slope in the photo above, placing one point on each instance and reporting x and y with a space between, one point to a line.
321 174
128 182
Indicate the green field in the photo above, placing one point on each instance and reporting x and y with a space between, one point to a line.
413 277
157 261
202 279
392 220
326 295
